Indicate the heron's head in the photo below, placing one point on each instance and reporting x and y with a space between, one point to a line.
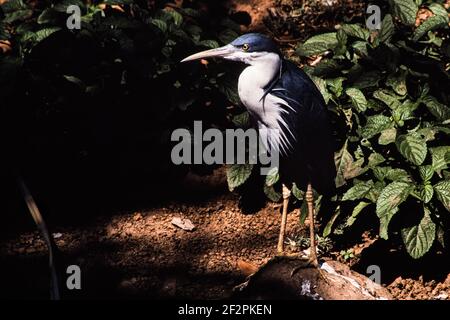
248 49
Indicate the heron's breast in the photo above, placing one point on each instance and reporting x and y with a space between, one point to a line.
250 91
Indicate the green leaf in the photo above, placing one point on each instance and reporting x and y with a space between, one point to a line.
398 82
440 157
437 109
387 136
432 23
49 15
237 174
347 168
356 31
324 68
18 15
442 190
272 194
387 29
272 177
303 212
212 44
358 99
162 25
375 124
367 80
358 191
406 10
299 194
384 223
318 44
242 120
356 211
335 85
354 169
428 133
426 192
426 172
412 147
322 85
343 160
327 230
390 99
190 12
439 10
361 48
381 172
341 48
419 239
42 34
398 175
177 17
375 159
389 200
405 111
375 192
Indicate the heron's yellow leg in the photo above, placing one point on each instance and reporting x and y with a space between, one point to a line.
286 195
309 196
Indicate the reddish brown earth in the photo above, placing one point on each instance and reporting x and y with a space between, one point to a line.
142 254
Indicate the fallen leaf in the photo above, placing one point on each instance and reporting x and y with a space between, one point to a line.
422 15
5 45
103 6
246 267
184 224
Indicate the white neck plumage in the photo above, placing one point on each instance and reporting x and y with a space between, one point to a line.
264 67
253 83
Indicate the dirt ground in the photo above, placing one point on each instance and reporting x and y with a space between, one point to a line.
141 254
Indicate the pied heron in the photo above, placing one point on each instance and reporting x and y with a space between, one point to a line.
280 96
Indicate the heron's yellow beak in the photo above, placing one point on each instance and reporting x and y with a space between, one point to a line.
222 52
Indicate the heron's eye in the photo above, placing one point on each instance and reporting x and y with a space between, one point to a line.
245 47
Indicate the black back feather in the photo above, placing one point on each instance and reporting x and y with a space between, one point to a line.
312 156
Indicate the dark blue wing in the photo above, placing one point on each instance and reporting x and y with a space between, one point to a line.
312 158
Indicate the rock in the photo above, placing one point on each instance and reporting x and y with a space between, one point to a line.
442 296
293 278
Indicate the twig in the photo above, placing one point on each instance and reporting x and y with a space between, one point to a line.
40 223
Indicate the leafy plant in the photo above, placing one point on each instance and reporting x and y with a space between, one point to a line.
396 152
324 244
122 66
347 254
390 88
